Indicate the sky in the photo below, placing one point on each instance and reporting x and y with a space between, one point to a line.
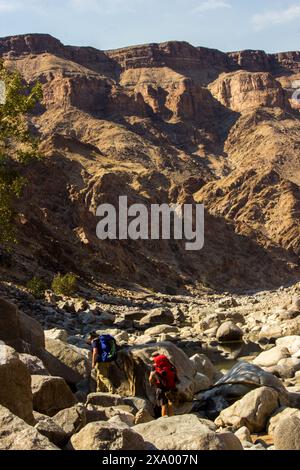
228 25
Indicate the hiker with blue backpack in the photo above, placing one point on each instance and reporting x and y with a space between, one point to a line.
104 354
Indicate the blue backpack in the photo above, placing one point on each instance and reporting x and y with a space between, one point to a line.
108 348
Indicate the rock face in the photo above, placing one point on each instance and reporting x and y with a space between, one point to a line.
51 394
171 111
251 411
107 436
16 434
186 433
15 389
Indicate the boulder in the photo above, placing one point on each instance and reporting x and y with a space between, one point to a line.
203 365
15 384
244 435
9 324
71 420
47 427
201 382
143 416
287 434
51 394
33 364
16 434
31 333
271 357
229 332
57 333
252 411
292 343
98 413
161 329
281 413
67 361
106 436
186 432
158 316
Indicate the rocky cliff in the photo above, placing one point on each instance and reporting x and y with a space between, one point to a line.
161 123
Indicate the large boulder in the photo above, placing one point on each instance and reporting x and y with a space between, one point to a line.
252 411
34 365
281 413
71 420
20 331
287 434
135 404
229 332
186 432
203 365
158 316
292 343
51 394
16 434
240 380
271 357
107 436
67 361
15 384
57 333
99 413
47 427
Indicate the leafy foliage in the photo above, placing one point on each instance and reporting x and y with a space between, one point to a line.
64 285
18 145
37 287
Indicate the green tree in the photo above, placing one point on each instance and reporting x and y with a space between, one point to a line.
18 145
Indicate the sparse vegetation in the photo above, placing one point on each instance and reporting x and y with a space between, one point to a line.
65 284
37 287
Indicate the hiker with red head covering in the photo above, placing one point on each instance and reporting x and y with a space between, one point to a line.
164 378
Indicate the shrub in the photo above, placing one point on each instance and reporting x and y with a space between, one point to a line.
37 287
64 285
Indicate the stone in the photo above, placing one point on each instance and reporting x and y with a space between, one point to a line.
252 411
33 364
281 413
15 388
102 435
98 413
243 434
201 382
271 357
51 394
72 419
292 343
143 416
16 434
229 302
158 316
57 333
203 365
161 329
47 427
67 361
229 332
287 434
186 432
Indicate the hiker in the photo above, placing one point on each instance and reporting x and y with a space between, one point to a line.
164 378
104 354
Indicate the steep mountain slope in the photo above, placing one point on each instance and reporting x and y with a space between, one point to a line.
161 123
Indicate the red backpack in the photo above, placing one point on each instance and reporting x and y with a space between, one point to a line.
166 373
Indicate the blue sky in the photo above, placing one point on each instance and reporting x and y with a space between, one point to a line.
272 25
